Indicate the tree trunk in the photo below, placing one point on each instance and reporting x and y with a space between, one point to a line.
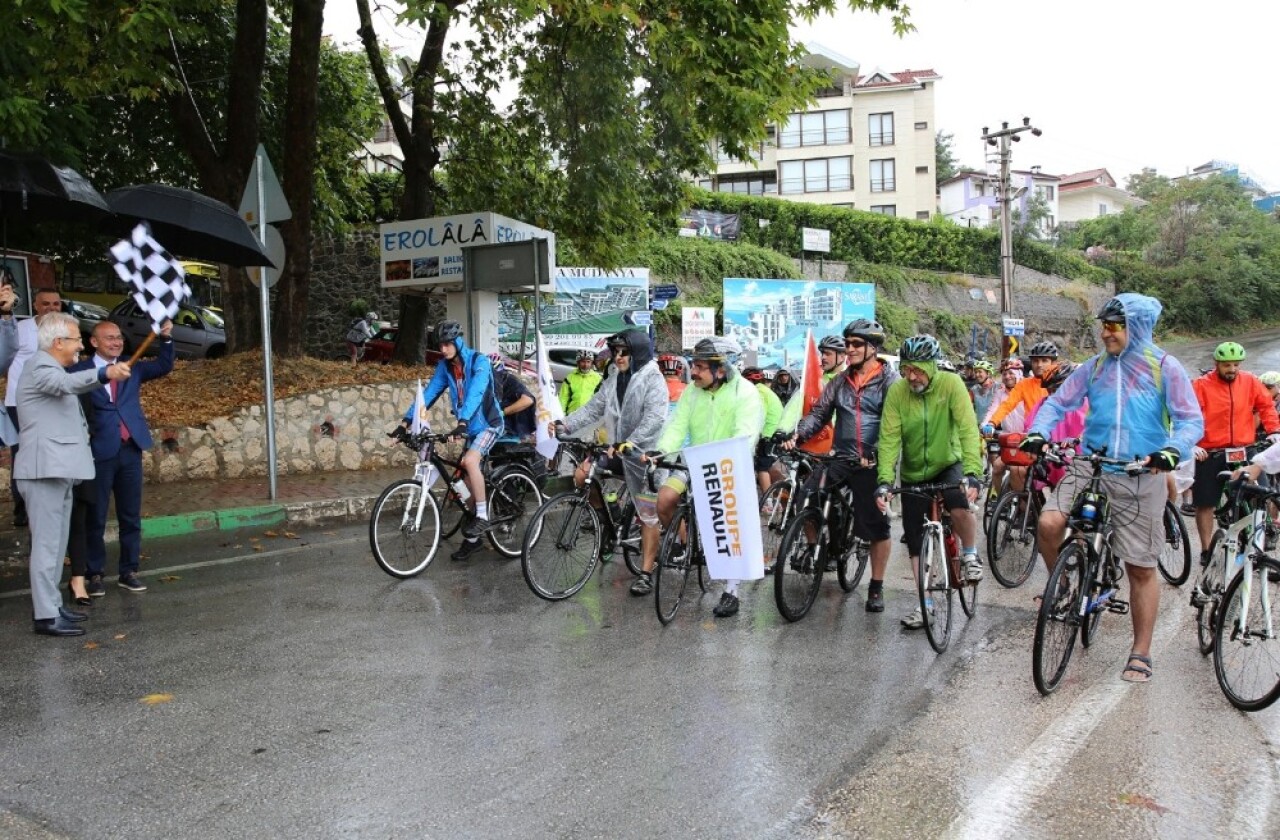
301 115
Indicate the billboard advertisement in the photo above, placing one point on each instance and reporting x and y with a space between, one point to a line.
428 252
710 225
587 306
770 317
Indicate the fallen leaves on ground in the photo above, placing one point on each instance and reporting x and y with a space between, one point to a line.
119 637
90 645
290 535
1141 801
156 699
188 396
270 534
169 578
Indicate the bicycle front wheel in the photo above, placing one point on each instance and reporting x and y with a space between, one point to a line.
1246 650
853 564
775 514
1175 556
675 559
1058 619
798 572
629 539
1210 592
1094 587
561 547
404 529
934 587
513 497
1011 540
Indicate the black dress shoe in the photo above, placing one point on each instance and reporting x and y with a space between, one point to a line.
79 602
72 615
19 520
57 627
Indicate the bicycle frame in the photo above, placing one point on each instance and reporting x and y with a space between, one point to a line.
1248 537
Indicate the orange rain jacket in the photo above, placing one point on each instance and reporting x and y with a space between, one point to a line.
1229 408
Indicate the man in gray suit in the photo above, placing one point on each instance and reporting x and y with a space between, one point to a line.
53 456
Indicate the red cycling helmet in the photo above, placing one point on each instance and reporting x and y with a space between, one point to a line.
671 363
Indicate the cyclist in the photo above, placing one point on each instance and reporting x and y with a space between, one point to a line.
673 371
1271 379
468 377
1025 395
831 357
765 459
784 385
985 387
633 405
520 417
581 383
856 400
721 405
928 422
1233 403
1140 401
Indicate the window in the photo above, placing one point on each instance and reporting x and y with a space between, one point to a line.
882 176
922 215
705 183
751 183
1102 209
922 126
922 170
817 128
818 175
1045 191
885 209
880 129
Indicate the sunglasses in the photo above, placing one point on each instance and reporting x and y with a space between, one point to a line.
1113 326
855 344
621 351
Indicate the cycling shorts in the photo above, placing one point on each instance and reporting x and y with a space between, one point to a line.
916 508
869 523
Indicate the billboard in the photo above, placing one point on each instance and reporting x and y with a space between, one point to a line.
587 306
428 252
770 317
710 224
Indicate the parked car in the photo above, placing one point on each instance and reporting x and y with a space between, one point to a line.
198 332
88 314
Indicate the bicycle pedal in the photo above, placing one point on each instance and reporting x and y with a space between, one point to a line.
1119 607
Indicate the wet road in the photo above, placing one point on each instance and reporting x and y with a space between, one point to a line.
313 696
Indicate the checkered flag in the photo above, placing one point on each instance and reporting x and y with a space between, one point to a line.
158 280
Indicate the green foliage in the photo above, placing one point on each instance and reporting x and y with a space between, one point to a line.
944 157
357 307
899 321
1147 184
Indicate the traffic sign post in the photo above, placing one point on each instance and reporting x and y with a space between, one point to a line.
664 292
656 305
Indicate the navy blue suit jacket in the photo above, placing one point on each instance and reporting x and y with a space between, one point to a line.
104 427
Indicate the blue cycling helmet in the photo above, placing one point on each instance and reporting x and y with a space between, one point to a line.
920 348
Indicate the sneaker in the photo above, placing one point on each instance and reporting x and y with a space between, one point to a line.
131 583
476 528
831 564
972 568
1205 557
468 548
913 620
1272 532
1187 510
643 585
875 602
94 587
728 606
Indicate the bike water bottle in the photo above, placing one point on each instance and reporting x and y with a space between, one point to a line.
1239 562
611 499
1089 510
460 487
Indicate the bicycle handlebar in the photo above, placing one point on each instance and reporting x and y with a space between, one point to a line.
927 490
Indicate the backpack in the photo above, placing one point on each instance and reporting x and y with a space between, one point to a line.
356 333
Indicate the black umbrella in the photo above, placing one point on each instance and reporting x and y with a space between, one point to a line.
32 188
188 224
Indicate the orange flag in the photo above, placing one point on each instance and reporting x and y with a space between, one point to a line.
811 387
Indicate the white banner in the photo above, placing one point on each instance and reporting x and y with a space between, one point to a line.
722 479
549 408
697 323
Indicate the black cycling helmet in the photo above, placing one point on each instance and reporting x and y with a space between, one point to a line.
1112 310
1043 350
753 374
920 348
831 342
869 331
447 331
720 352
1054 380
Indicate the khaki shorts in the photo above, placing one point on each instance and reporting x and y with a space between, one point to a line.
1137 510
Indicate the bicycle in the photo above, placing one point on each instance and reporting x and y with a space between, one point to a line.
1175 557
822 527
1246 651
1015 518
939 574
1084 582
679 553
568 537
779 503
1237 516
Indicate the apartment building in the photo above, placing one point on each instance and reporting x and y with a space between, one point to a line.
866 142
972 199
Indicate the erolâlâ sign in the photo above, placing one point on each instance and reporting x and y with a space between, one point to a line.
428 252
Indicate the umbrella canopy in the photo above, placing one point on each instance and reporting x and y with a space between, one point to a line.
188 224
32 188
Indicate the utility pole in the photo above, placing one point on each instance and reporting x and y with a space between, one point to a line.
1006 136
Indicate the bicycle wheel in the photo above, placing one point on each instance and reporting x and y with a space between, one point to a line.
1013 528
453 511
934 587
798 572
1246 650
775 515
968 596
629 539
853 564
1058 619
513 496
1211 592
1094 588
675 559
404 529
561 547
1175 557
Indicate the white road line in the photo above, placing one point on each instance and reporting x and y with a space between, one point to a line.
222 561
1000 809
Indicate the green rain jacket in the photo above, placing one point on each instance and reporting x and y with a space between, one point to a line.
930 431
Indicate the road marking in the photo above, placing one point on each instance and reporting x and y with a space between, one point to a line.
222 561
1000 810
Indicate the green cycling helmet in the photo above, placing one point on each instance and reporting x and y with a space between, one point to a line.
920 348
1228 351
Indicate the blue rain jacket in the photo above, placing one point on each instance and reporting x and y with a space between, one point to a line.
1140 401
479 407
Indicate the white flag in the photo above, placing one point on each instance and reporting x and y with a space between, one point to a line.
420 423
722 481
549 408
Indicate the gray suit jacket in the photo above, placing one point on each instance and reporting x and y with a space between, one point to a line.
54 439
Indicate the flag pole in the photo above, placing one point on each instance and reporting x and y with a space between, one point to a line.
146 342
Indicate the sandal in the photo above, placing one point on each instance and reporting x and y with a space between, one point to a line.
1141 672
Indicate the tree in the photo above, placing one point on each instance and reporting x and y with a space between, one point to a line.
617 104
945 163
1147 184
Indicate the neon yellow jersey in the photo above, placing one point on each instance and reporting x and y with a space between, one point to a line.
772 409
733 410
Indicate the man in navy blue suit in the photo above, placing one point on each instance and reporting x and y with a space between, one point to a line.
119 435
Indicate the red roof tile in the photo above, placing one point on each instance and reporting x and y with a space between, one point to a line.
904 77
1077 180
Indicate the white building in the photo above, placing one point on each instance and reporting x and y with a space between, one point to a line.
1090 194
972 199
866 142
